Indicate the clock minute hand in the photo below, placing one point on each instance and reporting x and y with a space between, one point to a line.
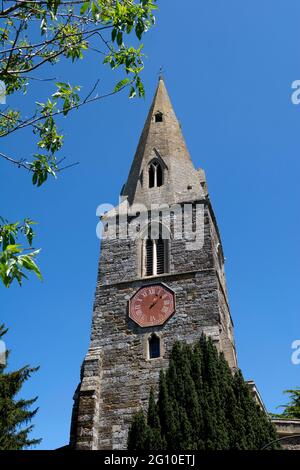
154 303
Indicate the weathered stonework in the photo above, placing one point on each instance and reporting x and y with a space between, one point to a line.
117 374
288 431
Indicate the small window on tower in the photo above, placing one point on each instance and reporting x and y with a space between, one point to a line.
155 257
160 247
151 176
159 176
158 117
149 257
154 346
155 174
155 250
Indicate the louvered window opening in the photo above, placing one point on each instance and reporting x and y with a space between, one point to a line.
155 257
149 257
160 256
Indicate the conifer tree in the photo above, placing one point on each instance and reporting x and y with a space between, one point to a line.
292 409
139 433
15 414
201 404
156 442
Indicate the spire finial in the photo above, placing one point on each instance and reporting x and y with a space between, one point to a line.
160 75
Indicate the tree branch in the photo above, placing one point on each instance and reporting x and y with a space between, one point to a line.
22 163
34 120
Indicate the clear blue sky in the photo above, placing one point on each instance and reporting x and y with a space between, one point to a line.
228 67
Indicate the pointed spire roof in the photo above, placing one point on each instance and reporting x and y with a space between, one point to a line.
162 139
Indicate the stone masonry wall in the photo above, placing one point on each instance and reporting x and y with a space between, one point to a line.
126 372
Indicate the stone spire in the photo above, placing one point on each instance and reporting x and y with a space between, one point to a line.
162 140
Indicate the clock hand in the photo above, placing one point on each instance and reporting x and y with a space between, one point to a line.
154 303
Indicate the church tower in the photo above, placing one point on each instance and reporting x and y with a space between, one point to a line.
161 279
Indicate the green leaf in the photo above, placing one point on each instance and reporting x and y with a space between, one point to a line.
84 7
120 38
30 265
13 248
114 34
121 84
95 9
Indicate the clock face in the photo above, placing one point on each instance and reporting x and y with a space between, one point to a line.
152 305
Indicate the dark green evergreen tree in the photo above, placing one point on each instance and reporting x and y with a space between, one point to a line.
139 433
154 433
201 404
15 414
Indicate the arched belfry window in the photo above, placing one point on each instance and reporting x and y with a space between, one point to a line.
154 346
155 174
155 251
155 257
149 257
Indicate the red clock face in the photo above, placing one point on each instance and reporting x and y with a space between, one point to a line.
152 305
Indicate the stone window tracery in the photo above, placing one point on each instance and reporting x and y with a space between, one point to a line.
155 174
